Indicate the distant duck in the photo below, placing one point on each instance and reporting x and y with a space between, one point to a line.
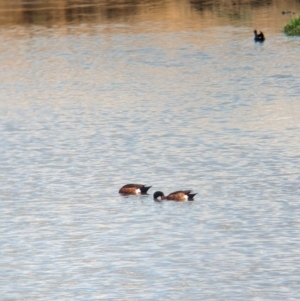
181 195
258 37
134 189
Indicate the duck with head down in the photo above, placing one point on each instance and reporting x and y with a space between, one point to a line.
134 189
179 196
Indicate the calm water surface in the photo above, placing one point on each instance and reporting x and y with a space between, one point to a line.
175 95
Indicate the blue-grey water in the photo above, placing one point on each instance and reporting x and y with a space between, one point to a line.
86 108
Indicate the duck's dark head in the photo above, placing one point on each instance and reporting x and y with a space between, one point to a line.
255 31
158 196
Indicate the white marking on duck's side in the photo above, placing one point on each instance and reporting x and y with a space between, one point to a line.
138 191
186 197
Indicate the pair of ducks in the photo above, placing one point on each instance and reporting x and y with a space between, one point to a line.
179 196
258 37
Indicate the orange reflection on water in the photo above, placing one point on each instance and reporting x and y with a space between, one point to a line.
174 13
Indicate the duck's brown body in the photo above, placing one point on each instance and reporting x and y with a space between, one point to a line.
134 189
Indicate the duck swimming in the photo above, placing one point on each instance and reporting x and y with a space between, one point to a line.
179 196
258 37
134 189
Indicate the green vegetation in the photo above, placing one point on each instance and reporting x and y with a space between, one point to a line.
293 27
